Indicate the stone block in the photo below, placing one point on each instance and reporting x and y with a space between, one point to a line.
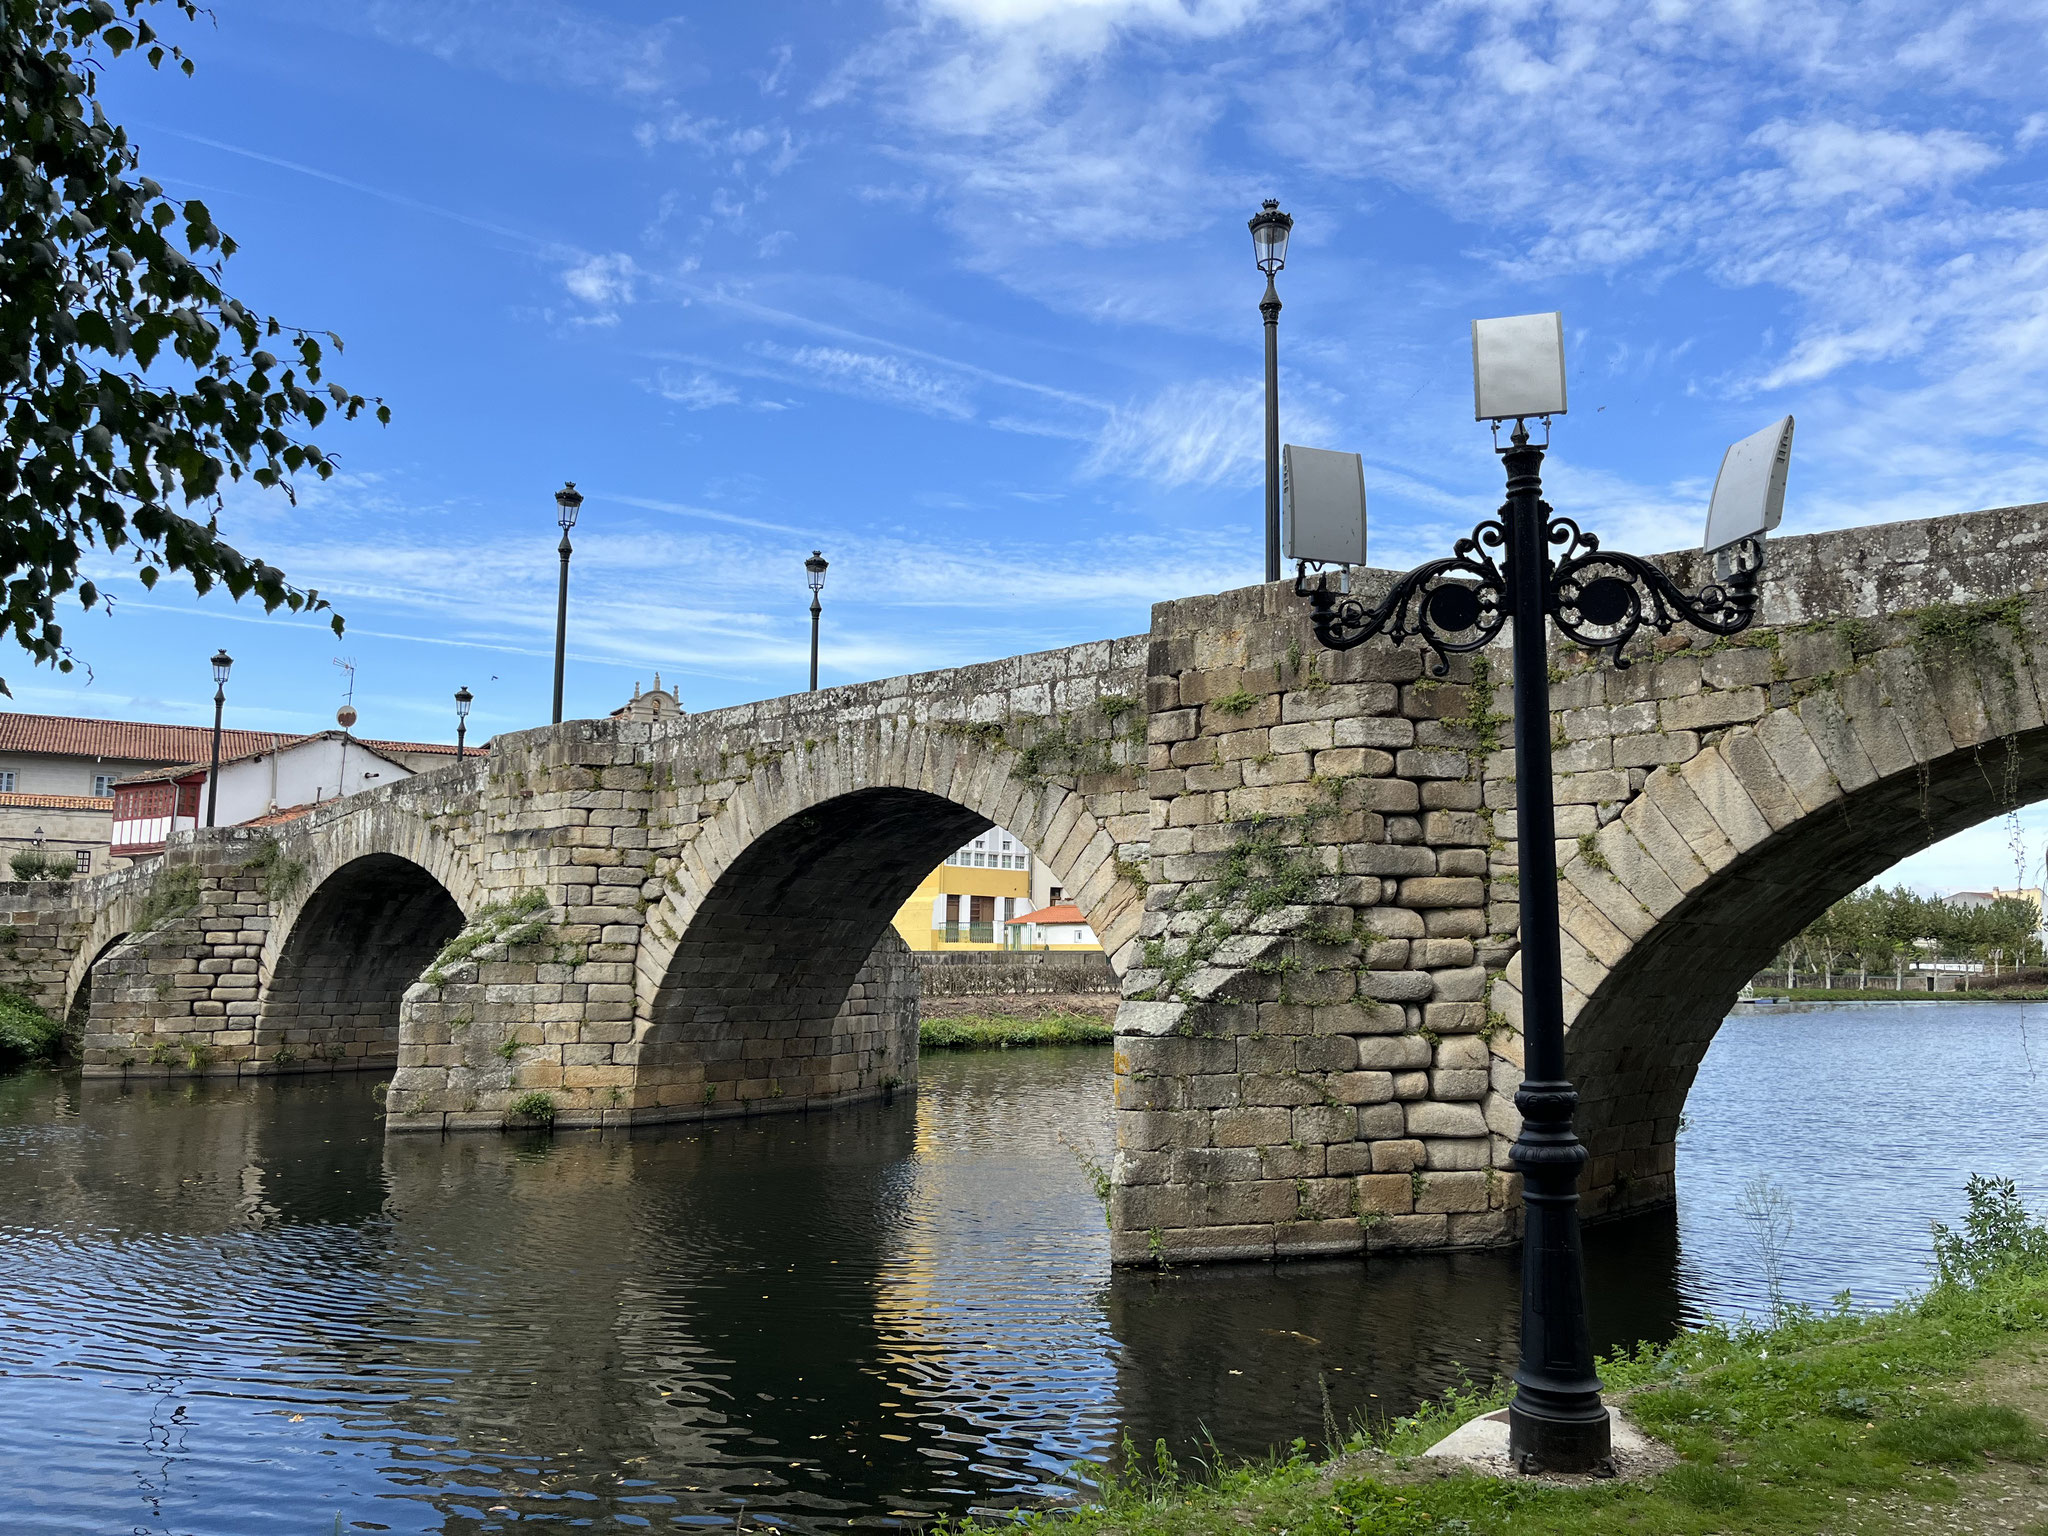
1458 1084
1448 1192
1442 891
1462 1155
1402 1156
1374 1087
1427 1119
1390 1194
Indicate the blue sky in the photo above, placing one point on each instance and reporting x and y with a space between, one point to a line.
960 292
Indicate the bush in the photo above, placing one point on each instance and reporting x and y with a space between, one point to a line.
1996 1237
34 864
27 1033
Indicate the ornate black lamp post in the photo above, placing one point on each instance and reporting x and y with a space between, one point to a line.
1270 229
815 572
567 500
463 699
1524 564
222 661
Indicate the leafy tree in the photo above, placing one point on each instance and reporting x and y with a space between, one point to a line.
133 387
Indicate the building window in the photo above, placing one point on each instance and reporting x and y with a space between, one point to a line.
85 861
7 782
1055 896
103 785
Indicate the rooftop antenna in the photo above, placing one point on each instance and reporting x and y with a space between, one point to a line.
346 715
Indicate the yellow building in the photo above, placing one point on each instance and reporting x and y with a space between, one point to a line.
968 901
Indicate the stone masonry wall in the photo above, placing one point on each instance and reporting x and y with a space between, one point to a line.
1319 1049
1302 865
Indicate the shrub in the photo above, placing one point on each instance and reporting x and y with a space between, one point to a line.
1996 1237
34 864
27 1033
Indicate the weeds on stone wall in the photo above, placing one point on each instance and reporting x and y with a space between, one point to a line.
1269 865
536 1108
173 893
1954 632
278 877
27 1034
511 922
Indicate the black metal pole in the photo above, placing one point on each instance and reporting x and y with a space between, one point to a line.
816 609
461 729
220 698
1269 306
1556 1422
561 625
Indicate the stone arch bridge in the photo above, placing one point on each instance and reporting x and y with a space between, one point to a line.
1297 861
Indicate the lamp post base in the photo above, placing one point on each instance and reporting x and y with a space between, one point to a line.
1564 1436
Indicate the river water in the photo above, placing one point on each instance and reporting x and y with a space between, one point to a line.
237 1308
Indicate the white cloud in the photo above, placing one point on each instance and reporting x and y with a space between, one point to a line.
603 281
1208 432
871 376
696 390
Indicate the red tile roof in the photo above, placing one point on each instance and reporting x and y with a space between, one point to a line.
125 741
1061 912
284 743
59 802
288 813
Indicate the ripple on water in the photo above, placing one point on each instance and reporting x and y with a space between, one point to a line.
229 1303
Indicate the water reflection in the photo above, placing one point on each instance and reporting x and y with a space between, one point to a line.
231 1303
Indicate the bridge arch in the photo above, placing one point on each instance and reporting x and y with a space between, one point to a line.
343 958
768 962
1720 859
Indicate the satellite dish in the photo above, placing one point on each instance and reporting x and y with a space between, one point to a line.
1322 500
345 716
1749 493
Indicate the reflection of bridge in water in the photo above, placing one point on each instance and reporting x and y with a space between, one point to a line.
1292 859
898 1306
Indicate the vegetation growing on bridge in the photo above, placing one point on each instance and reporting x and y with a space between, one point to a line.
173 893
278 876
1815 1422
510 922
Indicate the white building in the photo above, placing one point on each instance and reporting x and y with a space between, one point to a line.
269 784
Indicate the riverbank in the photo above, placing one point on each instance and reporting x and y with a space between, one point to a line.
1892 995
1923 1416
1006 1032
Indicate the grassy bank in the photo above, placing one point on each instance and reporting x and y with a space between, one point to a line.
1000 1032
27 1034
1922 1417
1888 995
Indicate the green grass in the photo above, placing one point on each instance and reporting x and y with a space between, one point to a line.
1888 995
27 1034
1787 1430
981 1032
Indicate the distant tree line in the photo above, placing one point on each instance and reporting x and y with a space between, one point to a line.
1886 930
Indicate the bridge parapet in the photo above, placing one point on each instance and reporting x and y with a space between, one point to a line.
1318 1051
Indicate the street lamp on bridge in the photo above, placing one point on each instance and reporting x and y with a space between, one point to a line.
1527 564
1270 229
222 662
463 699
567 501
814 569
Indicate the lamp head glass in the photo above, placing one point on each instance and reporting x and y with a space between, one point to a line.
463 699
1518 367
814 569
222 661
568 500
1749 493
1270 228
